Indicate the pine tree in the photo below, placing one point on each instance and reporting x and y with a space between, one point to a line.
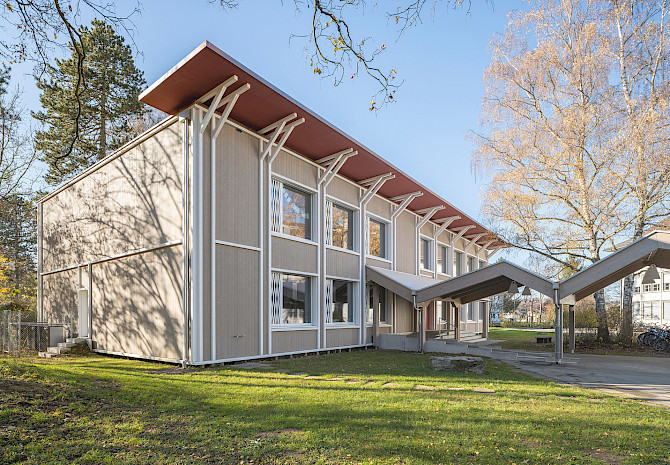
18 247
78 133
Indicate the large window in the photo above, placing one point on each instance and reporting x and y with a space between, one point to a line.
377 238
296 209
655 310
342 227
296 299
458 263
666 311
636 310
342 306
442 259
426 259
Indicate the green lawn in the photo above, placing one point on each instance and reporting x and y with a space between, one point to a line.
93 409
515 338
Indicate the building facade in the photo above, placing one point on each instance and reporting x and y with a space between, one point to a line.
242 227
651 302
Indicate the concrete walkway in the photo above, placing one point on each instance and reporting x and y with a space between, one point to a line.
645 378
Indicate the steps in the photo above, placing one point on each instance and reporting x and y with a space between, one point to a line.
63 347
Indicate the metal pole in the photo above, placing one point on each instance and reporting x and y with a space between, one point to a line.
559 328
571 328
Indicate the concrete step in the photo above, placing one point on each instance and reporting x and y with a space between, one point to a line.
46 354
58 350
76 340
66 345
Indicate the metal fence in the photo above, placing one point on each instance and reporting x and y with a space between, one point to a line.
21 333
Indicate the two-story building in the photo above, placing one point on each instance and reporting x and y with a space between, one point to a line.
244 226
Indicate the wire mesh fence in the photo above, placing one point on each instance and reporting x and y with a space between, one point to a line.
21 333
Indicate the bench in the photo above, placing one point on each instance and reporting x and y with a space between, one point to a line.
543 339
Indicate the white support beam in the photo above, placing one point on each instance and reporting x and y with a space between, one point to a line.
334 165
217 100
370 181
462 230
446 222
473 241
230 102
486 246
329 158
278 123
427 214
489 255
216 90
288 129
375 186
405 200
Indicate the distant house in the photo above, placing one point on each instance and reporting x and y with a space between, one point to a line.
246 226
651 302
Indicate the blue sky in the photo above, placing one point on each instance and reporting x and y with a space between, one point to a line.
442 62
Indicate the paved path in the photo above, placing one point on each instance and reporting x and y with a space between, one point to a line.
645 378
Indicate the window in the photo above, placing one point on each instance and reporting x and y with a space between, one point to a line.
652 287
666 286
471 311
441 311
646 310
636 289
458 260
442 259
291 211
655 310
377 238
425 261
342 305
636 310
296 299
384 314
666 311
482 263
342 226
471 264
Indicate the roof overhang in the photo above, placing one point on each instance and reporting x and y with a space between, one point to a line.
207 67
651 249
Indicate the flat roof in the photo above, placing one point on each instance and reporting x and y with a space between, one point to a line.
207 67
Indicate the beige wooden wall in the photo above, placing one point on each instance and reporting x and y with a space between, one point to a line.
133 202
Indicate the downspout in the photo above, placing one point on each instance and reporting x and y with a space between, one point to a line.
186 185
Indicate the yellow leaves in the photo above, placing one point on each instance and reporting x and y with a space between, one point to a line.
317 70
9 6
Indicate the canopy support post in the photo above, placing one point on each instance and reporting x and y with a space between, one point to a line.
571 328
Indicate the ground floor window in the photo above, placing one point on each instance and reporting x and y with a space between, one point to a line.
636 310
384 313
341 306
666 310
291 299
471 311
651 310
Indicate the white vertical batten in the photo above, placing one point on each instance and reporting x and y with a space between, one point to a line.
198 227
269 255
261 259
321 266
212 219
89 304
40 257
185 244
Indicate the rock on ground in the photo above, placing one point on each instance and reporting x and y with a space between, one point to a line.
458 363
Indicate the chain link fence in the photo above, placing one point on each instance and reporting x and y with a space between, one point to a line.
21 333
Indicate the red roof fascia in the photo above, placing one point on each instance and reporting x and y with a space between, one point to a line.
207 67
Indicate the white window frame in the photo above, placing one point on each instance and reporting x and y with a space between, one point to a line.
274 222
389 308
446 258
355 304
387 231
279 294
353 227
431 259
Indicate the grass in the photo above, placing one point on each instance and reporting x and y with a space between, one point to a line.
515 338
100 410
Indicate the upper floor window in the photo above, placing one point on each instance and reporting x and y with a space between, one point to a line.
426 259
482 263
666 286
472 263
340 227
458 263
636 289
291 210
442 259
377 238
652 287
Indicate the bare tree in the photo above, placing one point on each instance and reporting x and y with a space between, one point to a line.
547 140
640 48
340 51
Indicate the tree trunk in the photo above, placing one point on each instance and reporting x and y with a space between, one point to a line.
603 329
625 336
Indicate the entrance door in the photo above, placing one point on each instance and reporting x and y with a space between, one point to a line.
83 313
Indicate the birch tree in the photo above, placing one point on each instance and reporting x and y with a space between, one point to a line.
547 137
640 49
